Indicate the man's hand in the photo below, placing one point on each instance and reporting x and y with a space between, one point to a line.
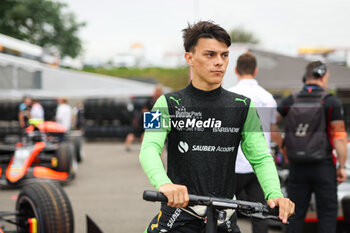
286 207
177 195
283 151
338 133
341 175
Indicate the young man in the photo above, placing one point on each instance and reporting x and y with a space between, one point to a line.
205 128
246 180
312 137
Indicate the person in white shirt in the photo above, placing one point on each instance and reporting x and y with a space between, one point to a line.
64 113
37 111
247 85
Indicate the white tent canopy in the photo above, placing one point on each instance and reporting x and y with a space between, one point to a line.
20 76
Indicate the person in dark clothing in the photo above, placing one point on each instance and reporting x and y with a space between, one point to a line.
310 174
158 91
137 123
137 129
24 112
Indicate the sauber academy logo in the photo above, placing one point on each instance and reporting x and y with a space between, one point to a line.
183 147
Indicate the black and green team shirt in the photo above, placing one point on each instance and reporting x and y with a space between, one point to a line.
204 129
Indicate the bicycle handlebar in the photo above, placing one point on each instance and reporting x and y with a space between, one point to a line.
257 210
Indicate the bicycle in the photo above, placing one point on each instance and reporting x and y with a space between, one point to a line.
216 207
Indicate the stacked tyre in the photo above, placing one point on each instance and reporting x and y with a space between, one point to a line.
107 118
9 119
50 108
9 110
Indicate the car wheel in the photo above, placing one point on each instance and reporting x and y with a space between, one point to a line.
48 204
66 159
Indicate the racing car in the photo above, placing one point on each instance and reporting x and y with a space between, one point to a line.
41 207
42 153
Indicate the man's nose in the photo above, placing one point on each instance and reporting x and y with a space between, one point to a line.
219 61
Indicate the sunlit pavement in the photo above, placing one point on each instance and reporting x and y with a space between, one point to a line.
109 188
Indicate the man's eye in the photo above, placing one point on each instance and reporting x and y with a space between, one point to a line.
209 55
225 55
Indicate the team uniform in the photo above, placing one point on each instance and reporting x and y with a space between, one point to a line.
318 177
246 179
64 115
204 130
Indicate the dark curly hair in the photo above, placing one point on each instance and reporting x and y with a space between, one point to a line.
204 29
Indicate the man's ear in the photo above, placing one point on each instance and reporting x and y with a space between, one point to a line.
236 71
255 71
189 57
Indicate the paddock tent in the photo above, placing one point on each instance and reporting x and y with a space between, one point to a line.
280 72
20 76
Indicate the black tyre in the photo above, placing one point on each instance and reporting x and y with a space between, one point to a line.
66 160
48 203
50 108
77 141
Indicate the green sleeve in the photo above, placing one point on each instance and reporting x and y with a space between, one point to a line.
255 149
151 149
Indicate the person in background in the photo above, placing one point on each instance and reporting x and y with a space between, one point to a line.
246 70
138 130
78 116
36 112
64 114
310 135
137 123
24 112
158 91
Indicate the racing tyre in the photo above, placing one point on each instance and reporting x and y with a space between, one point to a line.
78 149
48 203
66 159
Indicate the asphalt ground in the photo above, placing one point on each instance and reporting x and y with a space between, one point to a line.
108 188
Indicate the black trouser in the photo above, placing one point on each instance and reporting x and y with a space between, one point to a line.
176 220
319 178
249 183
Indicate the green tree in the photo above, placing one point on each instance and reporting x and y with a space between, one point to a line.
240 35
42 22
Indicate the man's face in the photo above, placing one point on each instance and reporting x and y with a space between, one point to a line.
28 101
209 61
325 79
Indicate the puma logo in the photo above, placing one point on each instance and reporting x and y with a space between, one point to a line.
177 101
242 100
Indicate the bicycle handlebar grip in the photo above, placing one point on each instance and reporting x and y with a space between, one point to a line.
270 211
150 195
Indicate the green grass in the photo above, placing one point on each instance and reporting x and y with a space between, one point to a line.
176 78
